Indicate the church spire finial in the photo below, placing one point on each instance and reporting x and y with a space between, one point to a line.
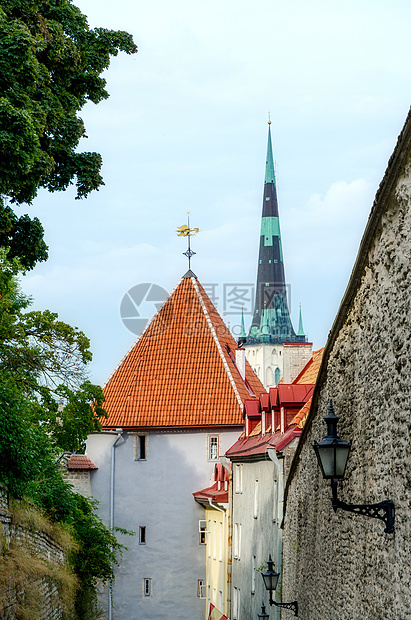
186 231
300 325
269 117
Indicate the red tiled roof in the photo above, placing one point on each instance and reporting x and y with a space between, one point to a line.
258 444
181 372
289 394
286 395
80 462
213 493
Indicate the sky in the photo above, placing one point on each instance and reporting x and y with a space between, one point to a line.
185 129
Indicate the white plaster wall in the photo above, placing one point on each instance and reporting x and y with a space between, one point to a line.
157 493
259 536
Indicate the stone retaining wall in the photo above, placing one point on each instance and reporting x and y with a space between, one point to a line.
41 546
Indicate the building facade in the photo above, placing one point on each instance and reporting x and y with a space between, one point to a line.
175 403
261 459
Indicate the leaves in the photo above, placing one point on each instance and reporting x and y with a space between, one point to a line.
50 66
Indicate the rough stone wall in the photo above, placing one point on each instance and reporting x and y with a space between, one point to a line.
80 481
44 547
340 565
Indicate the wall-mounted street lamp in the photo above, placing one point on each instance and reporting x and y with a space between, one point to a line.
263 615
270 578
332 454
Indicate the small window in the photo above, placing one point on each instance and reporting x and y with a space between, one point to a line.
236 603
140 447
255 499
213 447
202 589
142 535
214 540
147 587
237 541
202 532
238 478
253 566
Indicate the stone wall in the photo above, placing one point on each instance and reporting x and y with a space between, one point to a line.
27 553
339 565
79 480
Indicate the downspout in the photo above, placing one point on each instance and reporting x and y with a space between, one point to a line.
279 465
113 457
224 550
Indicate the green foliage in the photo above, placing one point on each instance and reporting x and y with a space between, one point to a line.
50 66
38 350
40 418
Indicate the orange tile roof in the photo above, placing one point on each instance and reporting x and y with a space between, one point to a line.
300 418
310 371
181 372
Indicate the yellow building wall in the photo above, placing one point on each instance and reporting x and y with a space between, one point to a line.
217 554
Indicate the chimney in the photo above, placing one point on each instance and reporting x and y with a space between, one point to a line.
240 362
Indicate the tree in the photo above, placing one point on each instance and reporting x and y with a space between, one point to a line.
50 66
46 361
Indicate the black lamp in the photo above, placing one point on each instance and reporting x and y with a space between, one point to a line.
332 452
270 578
263 615
332 455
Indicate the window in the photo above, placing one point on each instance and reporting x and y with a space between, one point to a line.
200 588
236 603
277 374
220 546
140 447
214 540
147 587
213 447
237 540
238 478
142 535
275 503
255 499
253 574
202 532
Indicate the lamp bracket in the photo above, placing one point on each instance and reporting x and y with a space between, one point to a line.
291 606
385 510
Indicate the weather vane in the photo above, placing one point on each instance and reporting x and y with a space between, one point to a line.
186 231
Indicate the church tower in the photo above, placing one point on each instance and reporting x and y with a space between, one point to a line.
272 347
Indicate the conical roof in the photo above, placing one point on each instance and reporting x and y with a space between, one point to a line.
181 372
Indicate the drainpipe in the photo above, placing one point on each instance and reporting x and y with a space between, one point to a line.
224 549
279 465
119 432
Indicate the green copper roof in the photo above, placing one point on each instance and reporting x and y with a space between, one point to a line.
300 325
242 330
269 163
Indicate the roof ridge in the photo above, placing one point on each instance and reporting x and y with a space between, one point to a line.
217 342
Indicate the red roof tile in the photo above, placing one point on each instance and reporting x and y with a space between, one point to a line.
181 372
80 462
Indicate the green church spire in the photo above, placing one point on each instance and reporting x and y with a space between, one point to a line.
300 325
242 329
271 321
269 162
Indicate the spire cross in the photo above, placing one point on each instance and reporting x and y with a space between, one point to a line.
186 231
